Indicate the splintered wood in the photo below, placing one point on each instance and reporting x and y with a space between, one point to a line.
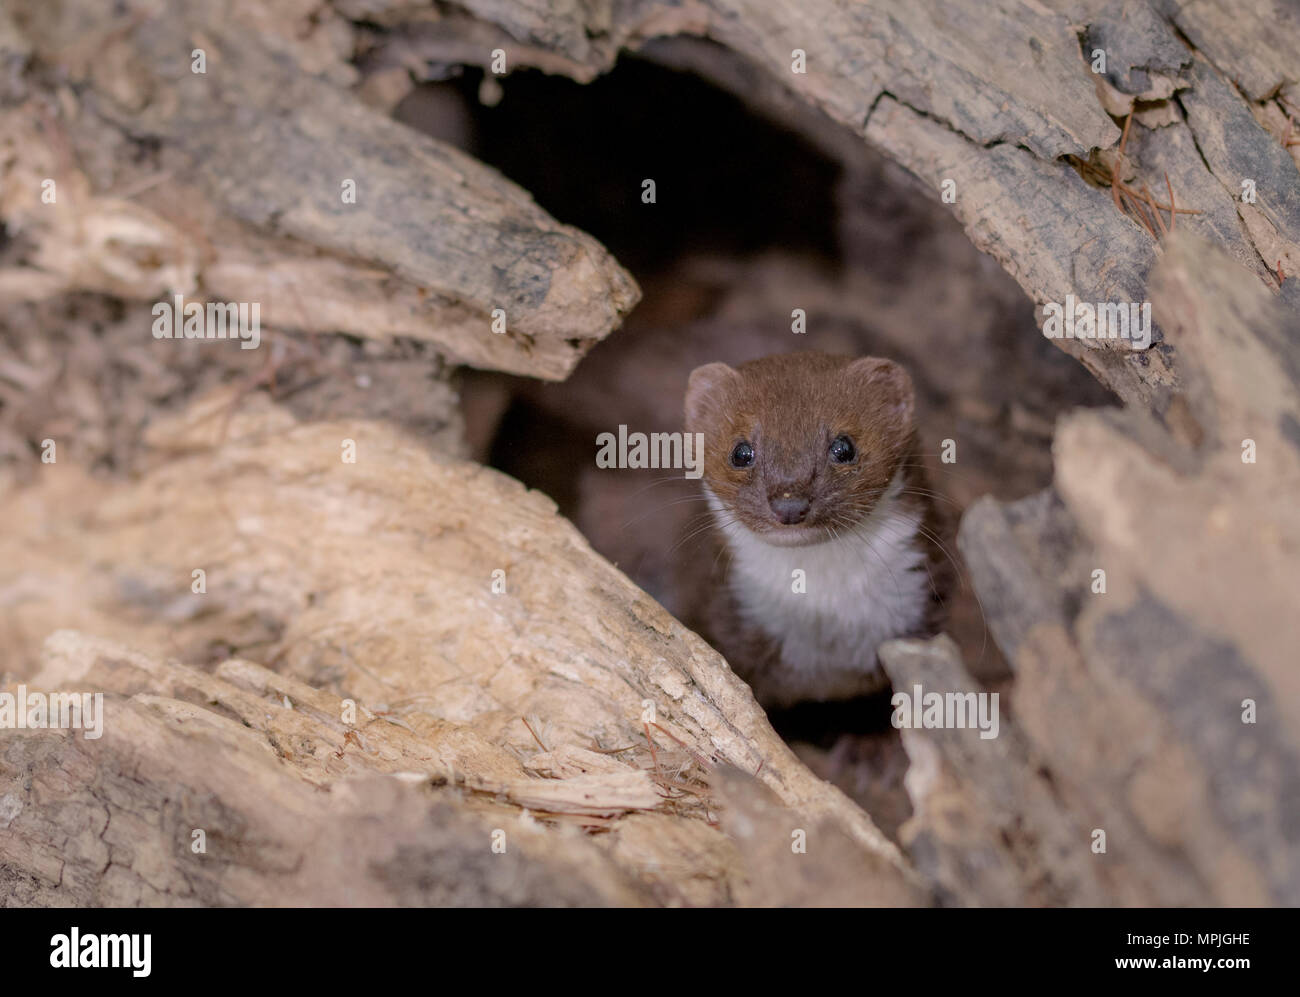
370 588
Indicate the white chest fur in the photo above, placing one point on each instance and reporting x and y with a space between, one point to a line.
866 586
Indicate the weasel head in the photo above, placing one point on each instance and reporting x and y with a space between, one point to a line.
801 447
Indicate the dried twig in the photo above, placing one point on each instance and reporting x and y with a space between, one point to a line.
1142 205
540 744
701 761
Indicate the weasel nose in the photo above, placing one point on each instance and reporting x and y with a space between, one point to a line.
789 510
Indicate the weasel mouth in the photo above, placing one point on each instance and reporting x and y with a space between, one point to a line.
793 535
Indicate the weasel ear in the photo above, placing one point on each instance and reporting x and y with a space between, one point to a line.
705 391
887 387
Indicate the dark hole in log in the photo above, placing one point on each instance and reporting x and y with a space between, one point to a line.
753 218
726 181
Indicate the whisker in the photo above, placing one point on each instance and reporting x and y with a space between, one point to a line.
680 500
866 540
966 584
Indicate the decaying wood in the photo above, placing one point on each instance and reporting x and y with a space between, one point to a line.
372 582
506 678
994 96
1133 703
179 802
245 198
986 826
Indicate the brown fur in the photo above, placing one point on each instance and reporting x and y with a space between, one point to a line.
790 407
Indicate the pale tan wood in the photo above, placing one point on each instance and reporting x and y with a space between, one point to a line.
376 579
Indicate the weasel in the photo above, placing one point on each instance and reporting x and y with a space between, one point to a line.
811 465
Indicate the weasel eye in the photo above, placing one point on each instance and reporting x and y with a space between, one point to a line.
742 455
842 450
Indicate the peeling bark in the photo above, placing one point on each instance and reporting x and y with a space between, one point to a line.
993 97
246 197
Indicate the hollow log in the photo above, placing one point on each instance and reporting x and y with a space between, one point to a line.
274 184
486 648
434 663
1000 98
